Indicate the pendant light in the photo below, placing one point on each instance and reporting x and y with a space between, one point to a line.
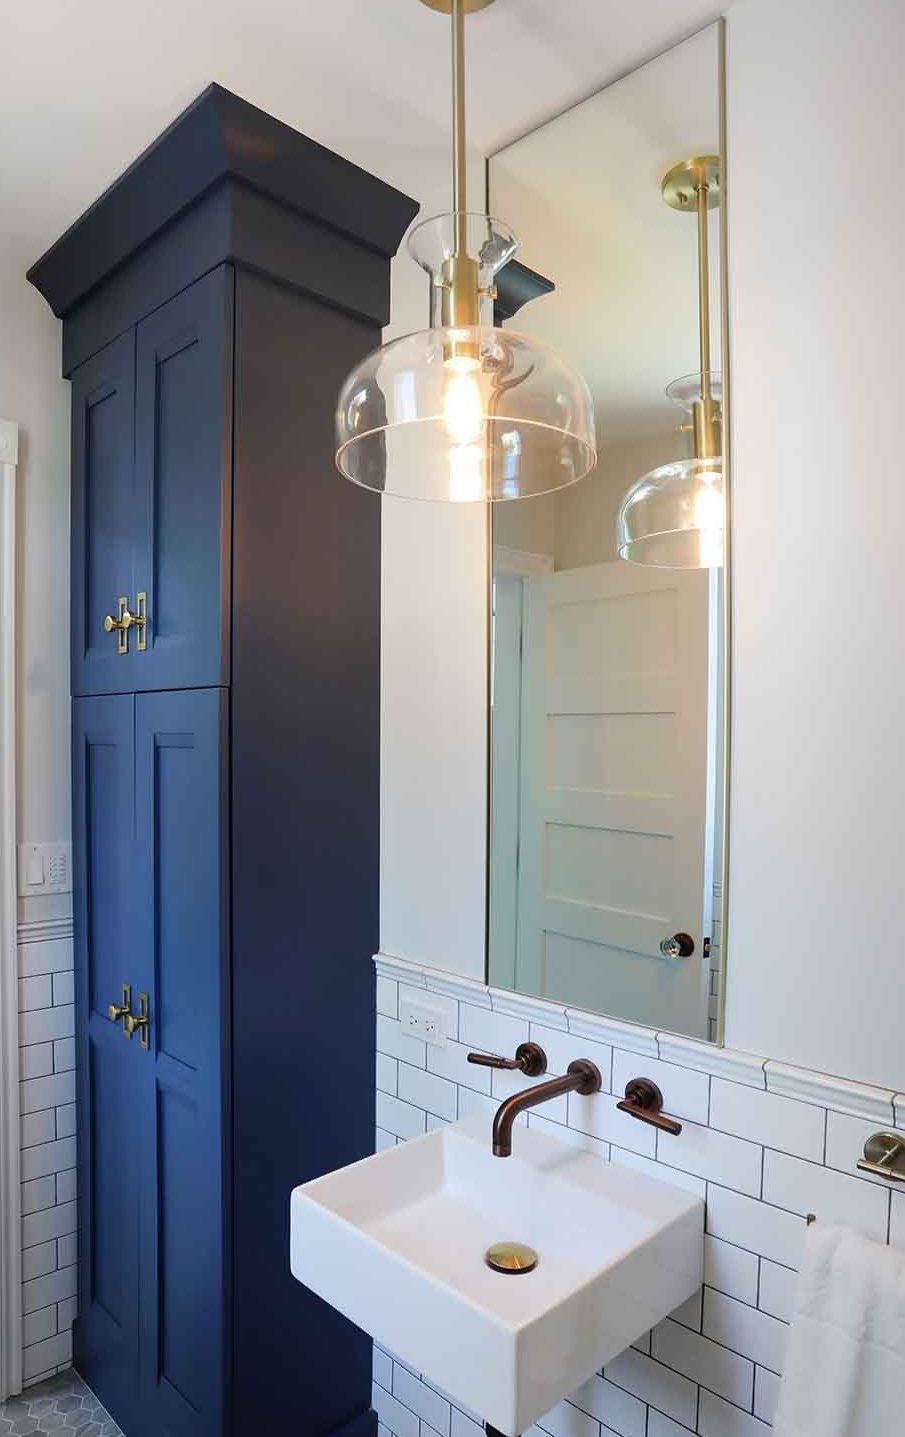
673 517
464 412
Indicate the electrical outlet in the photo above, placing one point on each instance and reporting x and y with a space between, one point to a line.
44 868
422 1021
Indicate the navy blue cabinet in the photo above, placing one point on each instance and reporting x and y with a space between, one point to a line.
150 815
151 469
225 676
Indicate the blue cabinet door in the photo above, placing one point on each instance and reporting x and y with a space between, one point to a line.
103 516
180 918
107 1330
183 465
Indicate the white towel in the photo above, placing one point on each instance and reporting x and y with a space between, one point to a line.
845 1364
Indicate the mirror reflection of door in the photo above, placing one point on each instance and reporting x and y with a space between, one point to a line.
607 677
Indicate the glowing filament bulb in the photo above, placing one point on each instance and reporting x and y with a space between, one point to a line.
463 408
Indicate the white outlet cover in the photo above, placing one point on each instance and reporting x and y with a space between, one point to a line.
44 868
424 1021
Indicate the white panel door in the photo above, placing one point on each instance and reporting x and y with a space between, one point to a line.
615 791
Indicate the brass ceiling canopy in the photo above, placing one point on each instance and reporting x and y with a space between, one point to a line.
673 517
468 6
510 1257
683 183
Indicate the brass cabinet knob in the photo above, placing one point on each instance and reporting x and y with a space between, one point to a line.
119 1012
122 622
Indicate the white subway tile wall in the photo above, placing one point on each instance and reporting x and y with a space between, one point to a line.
47 1144
764 1151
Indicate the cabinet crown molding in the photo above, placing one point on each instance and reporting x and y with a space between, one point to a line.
220 137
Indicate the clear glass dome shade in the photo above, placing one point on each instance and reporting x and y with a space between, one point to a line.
468 415
674 516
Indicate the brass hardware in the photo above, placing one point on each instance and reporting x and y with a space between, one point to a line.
139 1022
582 1076
884 1156
468 6
119 1012
120 625
141 620
680 945
681 184
644 1101
529 1059
126 620
511 1257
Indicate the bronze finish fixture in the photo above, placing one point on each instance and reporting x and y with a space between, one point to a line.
582 1076
529 1059
884 1156
644 1101
511 1257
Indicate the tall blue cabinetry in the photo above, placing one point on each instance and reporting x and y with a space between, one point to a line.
225 721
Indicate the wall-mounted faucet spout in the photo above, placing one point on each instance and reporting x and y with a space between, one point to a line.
582 1076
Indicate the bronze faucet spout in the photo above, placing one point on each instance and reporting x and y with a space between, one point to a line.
582 1076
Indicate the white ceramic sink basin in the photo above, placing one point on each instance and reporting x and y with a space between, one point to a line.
397 1243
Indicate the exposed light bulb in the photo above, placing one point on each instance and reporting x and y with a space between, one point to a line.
466 473
463 408
708 518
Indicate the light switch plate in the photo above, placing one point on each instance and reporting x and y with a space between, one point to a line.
44 868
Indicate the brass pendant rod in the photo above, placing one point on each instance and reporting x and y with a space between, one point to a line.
460 204
701 193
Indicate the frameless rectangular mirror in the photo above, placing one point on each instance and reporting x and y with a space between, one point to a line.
608 708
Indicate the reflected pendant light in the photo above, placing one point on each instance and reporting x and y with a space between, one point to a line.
673 517
463 411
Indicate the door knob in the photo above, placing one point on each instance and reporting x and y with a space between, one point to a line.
680 945
119 1012
139 1022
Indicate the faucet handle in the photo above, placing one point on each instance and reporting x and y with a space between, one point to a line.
529 1059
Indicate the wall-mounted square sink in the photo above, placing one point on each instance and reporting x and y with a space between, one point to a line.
397 1242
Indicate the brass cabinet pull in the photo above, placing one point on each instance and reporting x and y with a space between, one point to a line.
126 620
119 1012
139 1022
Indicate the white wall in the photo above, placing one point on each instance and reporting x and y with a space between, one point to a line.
817 899
33 394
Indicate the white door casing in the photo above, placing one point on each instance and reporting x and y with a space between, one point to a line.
615 852
10 1199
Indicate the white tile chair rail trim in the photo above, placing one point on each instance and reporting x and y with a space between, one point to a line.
10 1198
824 1090
44 930
860 1100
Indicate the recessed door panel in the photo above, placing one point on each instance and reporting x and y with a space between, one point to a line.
103 505
106 1335
181 820
183 446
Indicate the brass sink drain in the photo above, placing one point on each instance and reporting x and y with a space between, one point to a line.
511 1257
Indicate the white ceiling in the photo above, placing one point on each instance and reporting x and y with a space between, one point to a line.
87 84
